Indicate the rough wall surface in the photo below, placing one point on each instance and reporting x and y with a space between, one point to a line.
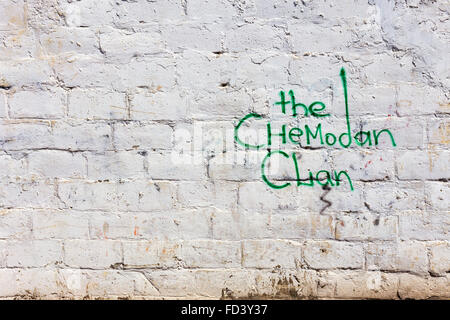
121 177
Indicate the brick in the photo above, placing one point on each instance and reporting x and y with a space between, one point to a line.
168 105
256 71
57 164
284 284
248 224
97 104
207 105
82 136
210 9
63 41
366 227
59 224
135 13
211 137
438 132
121 46
342 198
226 225
440 258
307 225
379 101
25 135
266 9
115 165
28 193
128 136
17 44
72 282
118 283
287 224
88 13
92 72
253 35
409 195
395 69
437 195
156 74
359 284
87 72
104 225
36 283
422 165
387 196
257 195
271 254
312 38
169 284
315 72
192 65
88 195
409 256
206 194
333 254
15 224
419 225
3 254
13 164
28 72
192 35
146 195
13 15
170 224
379 197
416 287
33 253
151 254
94 254
366 165
411 99
8 283
211 254
3 106
166 166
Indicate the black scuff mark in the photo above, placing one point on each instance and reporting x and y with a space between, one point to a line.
327 189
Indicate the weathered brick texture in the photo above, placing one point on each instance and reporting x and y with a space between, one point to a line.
120 175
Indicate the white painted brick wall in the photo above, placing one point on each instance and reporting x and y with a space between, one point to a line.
120 176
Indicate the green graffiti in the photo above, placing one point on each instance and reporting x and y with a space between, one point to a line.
236 130
338 175
263 173
311 134
306 110
375 135
321 177
270 134
347 116
314 111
